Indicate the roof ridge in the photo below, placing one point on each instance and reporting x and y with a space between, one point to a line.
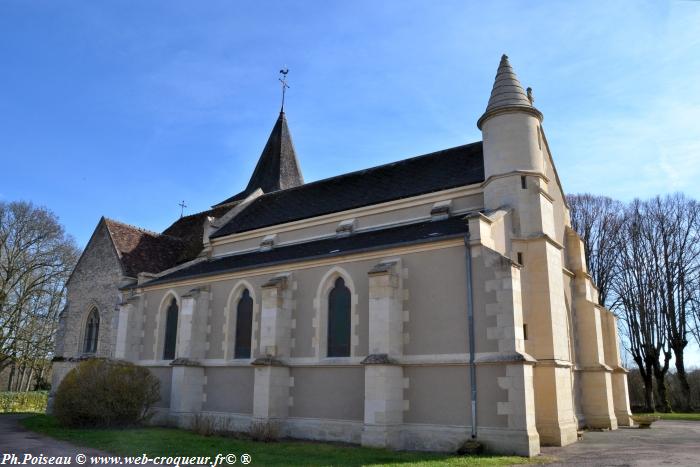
199 212
141 229
355 172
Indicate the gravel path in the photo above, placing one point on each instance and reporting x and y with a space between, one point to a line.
15 439
666 443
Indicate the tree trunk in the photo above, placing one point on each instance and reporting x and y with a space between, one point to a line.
20 380
11 377
40 378
683 379
663 404
28 384
648 391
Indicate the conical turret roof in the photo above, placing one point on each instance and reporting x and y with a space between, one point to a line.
507 93
277 168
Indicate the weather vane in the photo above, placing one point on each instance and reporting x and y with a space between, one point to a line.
182 207
285 86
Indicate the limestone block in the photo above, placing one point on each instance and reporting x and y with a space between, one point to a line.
384 405
555 418
386 310
186 389
271 393
597 398
125 310
276 317
621 398
184 333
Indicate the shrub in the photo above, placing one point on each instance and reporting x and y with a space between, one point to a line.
106 393
264 431
34 401
203 425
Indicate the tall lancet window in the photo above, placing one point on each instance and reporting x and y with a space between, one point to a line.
339 320
92 332
244 325
170 330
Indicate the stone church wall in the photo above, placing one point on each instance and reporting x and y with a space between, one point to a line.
93 284
163 373
229 389
327 397
435 285
328 393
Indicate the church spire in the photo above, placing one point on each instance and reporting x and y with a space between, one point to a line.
278 167
508 94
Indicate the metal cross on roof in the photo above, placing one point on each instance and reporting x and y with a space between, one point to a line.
182 207
285 86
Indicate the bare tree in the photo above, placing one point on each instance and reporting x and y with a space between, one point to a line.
675 223
646 263
598 220
637 303
694 290
36 257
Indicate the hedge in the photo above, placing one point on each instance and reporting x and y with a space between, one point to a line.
34 401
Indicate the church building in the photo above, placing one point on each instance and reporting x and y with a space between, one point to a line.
412 305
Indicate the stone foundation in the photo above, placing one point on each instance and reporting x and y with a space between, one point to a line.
410 437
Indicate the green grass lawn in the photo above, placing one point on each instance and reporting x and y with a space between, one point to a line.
23 402
173 442
675 416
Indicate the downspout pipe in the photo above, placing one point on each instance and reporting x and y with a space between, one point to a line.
470 326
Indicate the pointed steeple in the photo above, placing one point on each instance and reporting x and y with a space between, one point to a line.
278 167
508 94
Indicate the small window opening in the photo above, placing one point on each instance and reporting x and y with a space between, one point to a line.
523 182
520 258
525 331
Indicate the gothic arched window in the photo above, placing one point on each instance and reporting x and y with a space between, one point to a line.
92 332
170 330
244 325
339 320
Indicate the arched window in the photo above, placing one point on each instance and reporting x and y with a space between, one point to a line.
170 330
92 332
339 320
244 325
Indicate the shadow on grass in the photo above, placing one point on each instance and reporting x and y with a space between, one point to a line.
171 442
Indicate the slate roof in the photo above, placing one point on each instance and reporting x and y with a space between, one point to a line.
459 166
141 250
277 168
190 229
426 231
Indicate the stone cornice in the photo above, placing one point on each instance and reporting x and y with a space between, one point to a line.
185 362
508 357
385 267
536 237
267 361
555 362
519 173
379 359
594 368
508 110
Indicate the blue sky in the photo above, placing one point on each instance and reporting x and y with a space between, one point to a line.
124 108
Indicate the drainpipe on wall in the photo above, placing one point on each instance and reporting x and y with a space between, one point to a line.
470 325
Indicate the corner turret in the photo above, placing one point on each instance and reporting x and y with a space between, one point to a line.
513 157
